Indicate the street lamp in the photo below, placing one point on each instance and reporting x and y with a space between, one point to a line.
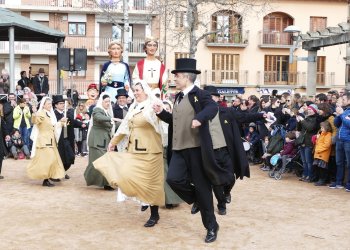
297 39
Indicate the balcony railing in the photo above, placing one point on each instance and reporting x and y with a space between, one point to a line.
238 38
275 39
298 78
110 5
92 44
227 77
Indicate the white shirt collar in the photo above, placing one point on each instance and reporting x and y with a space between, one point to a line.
188 89
59 111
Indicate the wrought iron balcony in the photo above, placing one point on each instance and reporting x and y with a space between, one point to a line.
96 46
275 40
83 5
237 39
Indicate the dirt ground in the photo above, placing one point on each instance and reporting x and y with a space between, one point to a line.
264 214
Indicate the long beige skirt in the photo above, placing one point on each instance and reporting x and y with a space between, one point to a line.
45 164
137 175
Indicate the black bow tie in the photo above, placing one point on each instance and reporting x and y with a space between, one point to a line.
125 108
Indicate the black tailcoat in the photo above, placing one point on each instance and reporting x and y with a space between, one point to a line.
66 147
229 119
200 99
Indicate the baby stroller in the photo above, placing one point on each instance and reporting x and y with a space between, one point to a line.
294 164
275 144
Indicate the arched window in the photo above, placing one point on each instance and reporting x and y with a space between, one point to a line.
273 28
229 26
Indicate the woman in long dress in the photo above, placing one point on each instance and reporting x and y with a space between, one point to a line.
46 162
115 74
100 131
137 168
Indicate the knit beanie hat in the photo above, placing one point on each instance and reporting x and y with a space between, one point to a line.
313 107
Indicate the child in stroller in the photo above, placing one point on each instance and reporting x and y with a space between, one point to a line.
280 161
275 145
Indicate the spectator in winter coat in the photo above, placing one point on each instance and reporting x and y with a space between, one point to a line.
342 122
254 140
323 149
307 127
17 145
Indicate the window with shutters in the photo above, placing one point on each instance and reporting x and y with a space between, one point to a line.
225 68
321 70
273 29
277 70
229 26
318 23
180 19
181 55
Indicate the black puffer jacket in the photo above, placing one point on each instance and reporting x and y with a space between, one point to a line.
309 126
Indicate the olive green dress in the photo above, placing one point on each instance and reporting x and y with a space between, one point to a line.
98 140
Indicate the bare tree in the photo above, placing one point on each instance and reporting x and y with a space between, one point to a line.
188 22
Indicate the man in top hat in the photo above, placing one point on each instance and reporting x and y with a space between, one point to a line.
65 145
151 69
41 84
190 172
121 107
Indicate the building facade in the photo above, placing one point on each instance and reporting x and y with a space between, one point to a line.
251 53
87 24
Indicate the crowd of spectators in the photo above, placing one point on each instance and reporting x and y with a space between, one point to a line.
315 129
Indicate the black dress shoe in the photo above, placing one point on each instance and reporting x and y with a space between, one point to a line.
67 177
46 183
195 208
211 235
228 198
152 221
55 180
1 177
222 211
108 188
143 208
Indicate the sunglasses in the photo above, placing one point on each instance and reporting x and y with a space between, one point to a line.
288 100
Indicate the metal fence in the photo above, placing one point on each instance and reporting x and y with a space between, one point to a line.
92 44
276 38
298 78
110 5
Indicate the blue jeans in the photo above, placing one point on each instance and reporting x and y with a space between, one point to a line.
307 159
342 156
25 135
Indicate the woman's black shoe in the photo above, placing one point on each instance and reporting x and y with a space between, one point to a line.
144 208
109 188
152 221
46 183
55 180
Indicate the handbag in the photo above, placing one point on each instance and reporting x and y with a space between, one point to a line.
300 139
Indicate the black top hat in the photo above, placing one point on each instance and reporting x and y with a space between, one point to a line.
212 90
185 65
57 98
121 92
